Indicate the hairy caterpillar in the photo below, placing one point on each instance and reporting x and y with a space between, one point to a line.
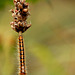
22 62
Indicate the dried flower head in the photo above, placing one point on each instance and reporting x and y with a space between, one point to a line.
20 15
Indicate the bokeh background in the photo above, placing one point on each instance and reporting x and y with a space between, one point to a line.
49 43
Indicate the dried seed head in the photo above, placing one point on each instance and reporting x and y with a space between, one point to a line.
20 16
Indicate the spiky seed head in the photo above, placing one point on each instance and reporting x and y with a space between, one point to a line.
20 15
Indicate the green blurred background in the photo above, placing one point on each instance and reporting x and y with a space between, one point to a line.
49 43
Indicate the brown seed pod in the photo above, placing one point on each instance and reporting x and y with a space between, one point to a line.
25 10
11 23
20 6
13 14
12 10
26 4
15 20
15 1
20 24
16 26
22 2
19 17
24 23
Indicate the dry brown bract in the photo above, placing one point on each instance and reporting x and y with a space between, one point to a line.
20 15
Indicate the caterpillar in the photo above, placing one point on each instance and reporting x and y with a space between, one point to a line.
22 62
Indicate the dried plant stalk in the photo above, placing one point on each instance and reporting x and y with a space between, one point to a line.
20 25
20 15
